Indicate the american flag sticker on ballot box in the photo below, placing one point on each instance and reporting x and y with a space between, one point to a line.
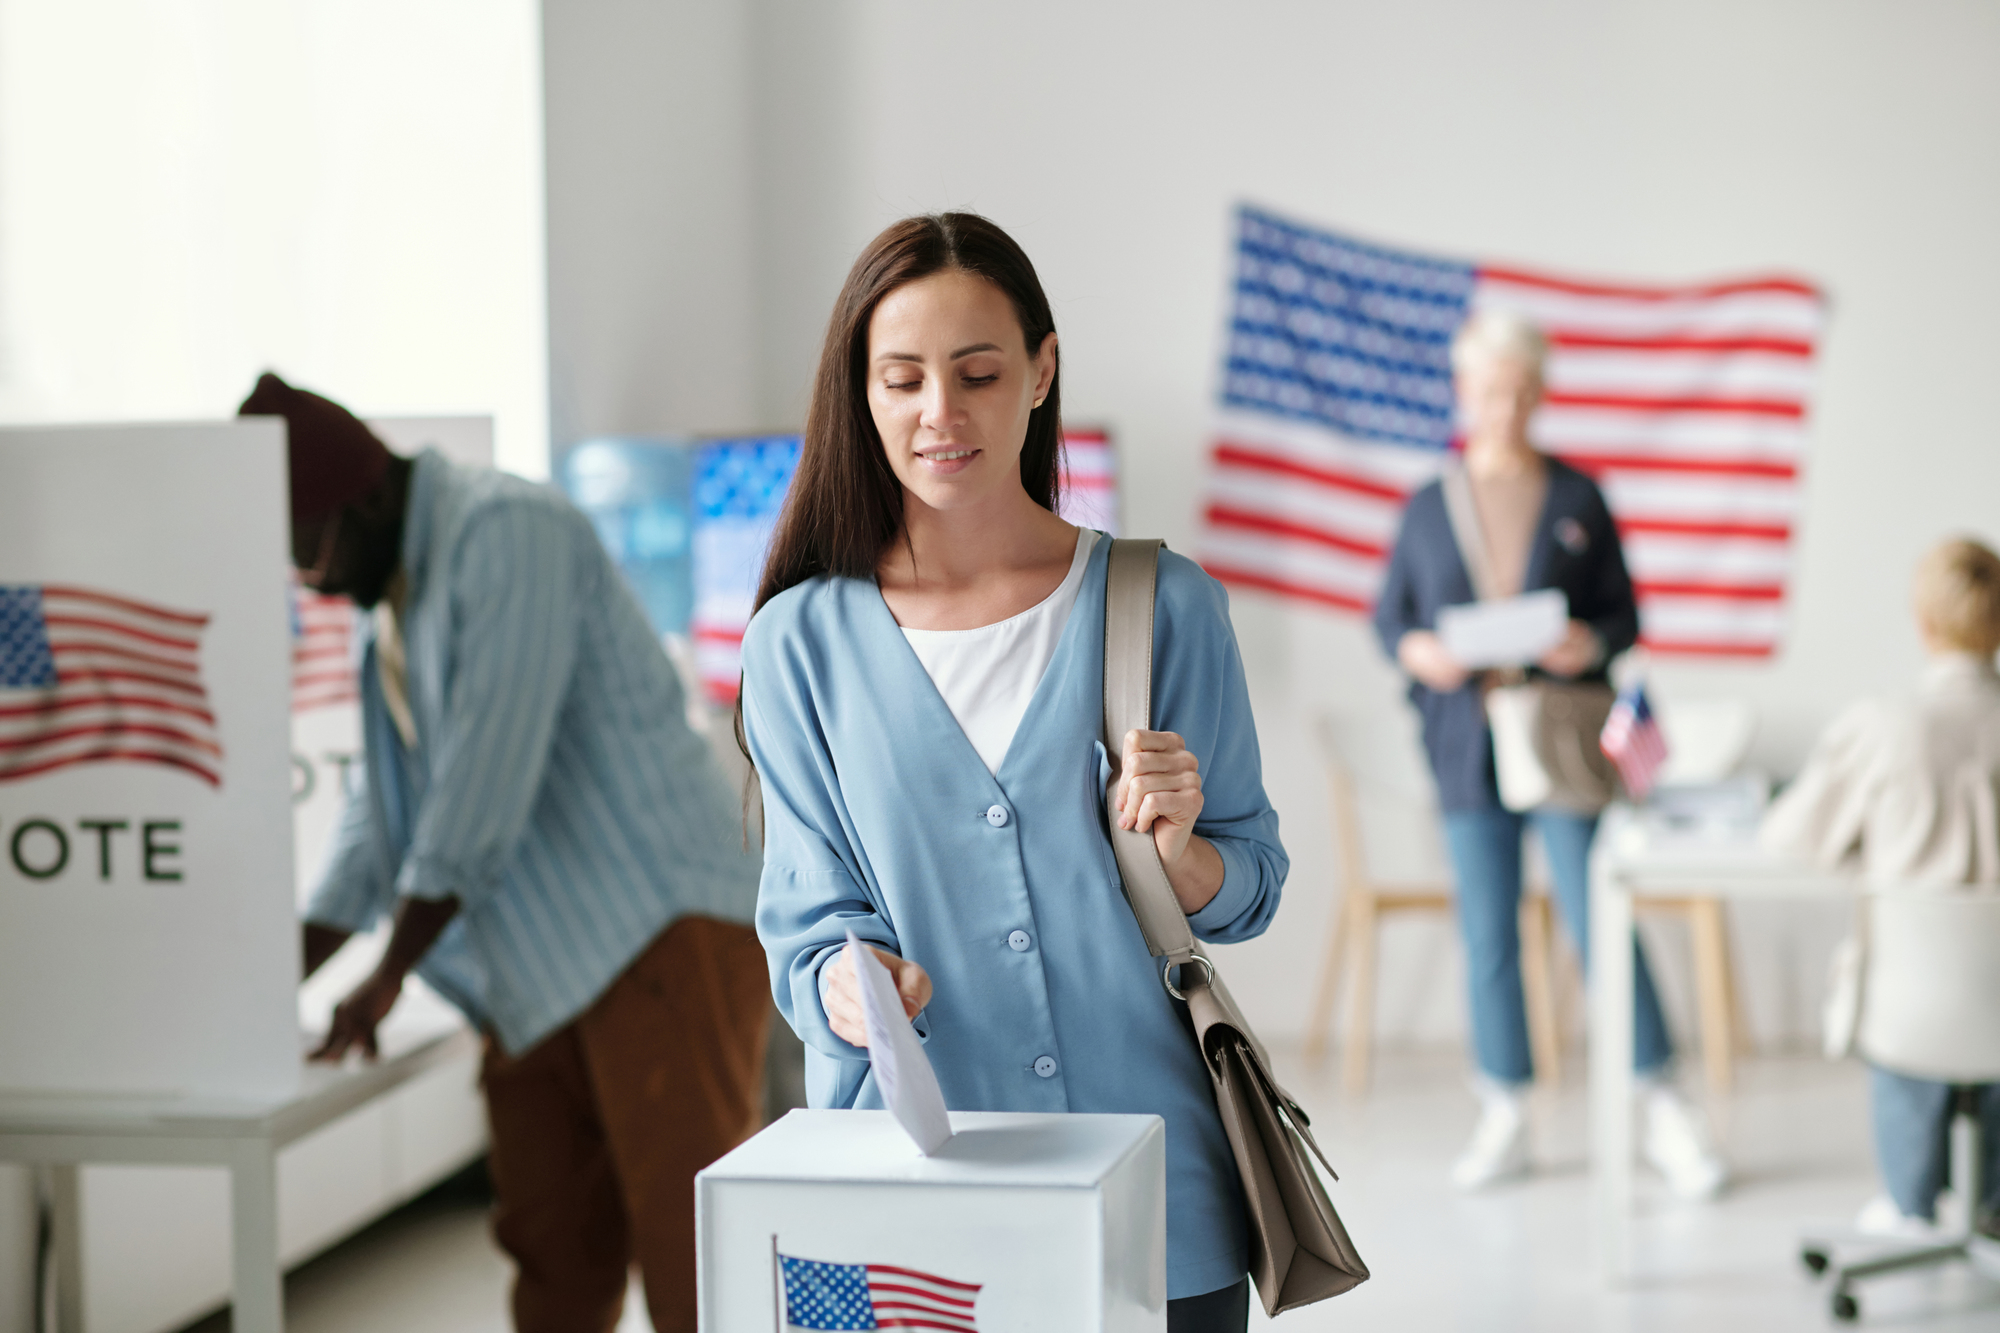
816 1296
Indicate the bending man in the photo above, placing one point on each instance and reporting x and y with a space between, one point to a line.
529 773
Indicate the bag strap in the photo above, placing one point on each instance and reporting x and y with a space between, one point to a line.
1465 529
1128 705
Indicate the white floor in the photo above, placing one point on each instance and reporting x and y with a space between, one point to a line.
1518 1258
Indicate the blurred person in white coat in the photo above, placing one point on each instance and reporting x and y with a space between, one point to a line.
1908 789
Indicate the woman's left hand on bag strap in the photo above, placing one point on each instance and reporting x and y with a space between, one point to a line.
1159 792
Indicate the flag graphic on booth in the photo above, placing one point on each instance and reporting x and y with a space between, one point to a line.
88 676
322 651
1687 405
819 1296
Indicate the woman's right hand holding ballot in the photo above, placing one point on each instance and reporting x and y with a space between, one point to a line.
1423 654
843 993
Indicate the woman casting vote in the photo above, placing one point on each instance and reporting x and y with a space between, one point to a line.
923 700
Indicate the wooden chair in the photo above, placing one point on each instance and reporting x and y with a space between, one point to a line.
1352 947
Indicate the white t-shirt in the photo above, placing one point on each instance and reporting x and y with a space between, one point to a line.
988 675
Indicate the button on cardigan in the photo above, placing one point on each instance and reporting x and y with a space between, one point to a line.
880 816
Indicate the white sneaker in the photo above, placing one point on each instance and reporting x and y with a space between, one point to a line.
1881 1217
1678 1148
1499 1147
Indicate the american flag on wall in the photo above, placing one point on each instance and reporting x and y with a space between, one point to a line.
88 676
322 651
1686 404
739 490
821 1296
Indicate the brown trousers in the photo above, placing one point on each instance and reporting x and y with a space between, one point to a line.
597 1131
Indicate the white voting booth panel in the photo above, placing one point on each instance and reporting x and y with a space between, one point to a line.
1058 1220
156 1239
148 944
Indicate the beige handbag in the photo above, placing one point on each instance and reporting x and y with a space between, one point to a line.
1299 1251
1546 748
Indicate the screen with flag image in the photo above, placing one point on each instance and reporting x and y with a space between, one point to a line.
739 489
819 1296
1687 404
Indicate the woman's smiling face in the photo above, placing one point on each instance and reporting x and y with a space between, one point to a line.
951 382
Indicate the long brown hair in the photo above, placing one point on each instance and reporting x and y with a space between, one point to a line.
845 505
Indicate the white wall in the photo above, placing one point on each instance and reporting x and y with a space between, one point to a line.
346 190
1856 143
652 290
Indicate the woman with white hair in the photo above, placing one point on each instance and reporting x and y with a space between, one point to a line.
1542 524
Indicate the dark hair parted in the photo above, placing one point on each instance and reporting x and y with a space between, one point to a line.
846 505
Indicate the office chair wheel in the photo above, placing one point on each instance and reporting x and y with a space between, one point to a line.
1815 1260
1845 1307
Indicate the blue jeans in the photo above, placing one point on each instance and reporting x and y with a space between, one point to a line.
1485 850
1913 1140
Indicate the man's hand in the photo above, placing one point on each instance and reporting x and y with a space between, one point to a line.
1579 650
356 1017
1423 654
419 921
843 992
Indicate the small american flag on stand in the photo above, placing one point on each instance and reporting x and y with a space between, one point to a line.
821 1296
1633 741
89 677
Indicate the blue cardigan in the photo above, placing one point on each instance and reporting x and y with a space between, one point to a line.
880 816
1575 548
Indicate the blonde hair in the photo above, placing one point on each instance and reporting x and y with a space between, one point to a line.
1490 335
1957 596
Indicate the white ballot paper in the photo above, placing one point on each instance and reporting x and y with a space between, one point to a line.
1508 632
903 1072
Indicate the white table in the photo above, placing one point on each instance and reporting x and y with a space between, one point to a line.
64 1133
1629 861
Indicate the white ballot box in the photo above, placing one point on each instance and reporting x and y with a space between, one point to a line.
833 1219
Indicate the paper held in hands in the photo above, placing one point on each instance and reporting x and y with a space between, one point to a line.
903 1072
1507 632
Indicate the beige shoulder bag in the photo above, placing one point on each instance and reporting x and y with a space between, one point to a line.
1299 1251
1545 731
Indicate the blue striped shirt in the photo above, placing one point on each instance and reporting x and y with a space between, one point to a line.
555 788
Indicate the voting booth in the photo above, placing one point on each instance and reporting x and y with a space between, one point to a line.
834 1219
173 913
147 939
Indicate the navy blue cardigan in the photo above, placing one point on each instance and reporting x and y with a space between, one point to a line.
1575 549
